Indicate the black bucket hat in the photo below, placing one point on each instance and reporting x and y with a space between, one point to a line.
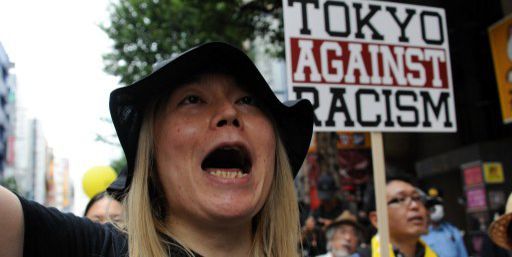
294 119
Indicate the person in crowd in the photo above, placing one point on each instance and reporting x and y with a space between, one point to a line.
500 232
211 155
343 236
368 230
408 219
444 238
102 209
330 205
313 240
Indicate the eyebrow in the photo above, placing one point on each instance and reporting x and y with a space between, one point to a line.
406 193
97 217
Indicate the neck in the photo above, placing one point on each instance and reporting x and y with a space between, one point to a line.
407 246
213 240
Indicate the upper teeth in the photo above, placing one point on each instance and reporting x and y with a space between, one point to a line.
227 174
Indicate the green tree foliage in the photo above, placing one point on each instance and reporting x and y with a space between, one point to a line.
10 183
148 31
118 164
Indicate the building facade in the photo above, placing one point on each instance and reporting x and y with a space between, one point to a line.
24 153
7 93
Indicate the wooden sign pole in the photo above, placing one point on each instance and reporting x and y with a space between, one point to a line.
379 182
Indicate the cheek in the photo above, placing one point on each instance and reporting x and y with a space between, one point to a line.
265 138
270 154
175 140
174 154
396 218
262 137
425 214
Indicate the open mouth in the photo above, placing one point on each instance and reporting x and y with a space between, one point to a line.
228 162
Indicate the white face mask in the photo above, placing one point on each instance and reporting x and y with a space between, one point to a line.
436 213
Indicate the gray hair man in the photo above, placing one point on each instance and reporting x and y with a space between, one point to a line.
343 236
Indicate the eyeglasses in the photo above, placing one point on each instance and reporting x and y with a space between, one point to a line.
407 200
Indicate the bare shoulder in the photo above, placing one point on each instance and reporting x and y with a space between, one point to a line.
11 222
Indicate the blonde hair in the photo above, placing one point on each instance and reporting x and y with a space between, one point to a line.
276 226
278 229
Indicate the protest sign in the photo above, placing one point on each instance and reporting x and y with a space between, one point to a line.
500 36
370 66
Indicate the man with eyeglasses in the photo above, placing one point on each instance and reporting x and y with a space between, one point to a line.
407 217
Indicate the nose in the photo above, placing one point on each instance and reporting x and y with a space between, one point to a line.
226 115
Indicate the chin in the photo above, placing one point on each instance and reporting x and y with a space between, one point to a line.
419 232
231 212
231 218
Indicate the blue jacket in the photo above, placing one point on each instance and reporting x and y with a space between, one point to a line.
446 241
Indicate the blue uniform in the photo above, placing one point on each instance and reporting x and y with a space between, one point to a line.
446 241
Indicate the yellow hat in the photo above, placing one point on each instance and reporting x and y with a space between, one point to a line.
433 192
498 229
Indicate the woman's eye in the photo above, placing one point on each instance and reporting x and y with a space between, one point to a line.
247 100
191 99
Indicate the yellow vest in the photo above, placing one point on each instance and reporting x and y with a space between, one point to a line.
376 249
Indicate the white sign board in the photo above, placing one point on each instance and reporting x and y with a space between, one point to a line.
370 65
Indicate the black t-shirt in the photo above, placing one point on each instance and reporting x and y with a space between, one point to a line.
49 232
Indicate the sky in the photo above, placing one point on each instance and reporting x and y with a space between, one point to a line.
57 48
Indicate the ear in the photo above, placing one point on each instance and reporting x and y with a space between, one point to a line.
373 218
